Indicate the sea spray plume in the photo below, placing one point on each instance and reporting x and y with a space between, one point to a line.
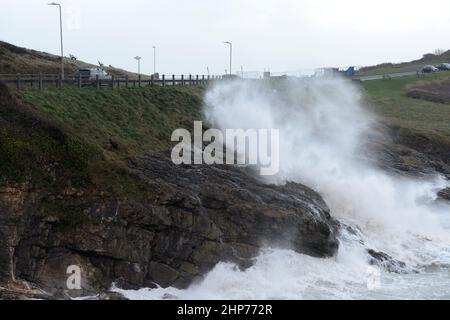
323 127
320 121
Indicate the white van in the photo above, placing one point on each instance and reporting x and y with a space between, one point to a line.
92 74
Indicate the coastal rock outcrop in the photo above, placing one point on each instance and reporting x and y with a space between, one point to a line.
191 218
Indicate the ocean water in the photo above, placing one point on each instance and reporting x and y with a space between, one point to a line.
284 274
323 128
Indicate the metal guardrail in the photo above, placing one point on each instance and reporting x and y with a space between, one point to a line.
54 80
45 80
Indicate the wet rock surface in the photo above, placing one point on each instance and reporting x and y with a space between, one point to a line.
406 153
445 194
402 152
386 262
193 218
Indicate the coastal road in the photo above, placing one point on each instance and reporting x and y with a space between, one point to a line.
383 76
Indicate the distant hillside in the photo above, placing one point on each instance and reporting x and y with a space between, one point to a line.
385 68
15 59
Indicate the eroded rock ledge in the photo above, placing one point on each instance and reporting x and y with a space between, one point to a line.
193 218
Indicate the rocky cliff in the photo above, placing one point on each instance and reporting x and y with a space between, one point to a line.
152 223
194 218
85 193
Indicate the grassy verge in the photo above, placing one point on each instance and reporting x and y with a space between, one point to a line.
388 100
70 137
125 121
34 156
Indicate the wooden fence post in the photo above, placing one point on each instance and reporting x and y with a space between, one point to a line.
40 81
18 81
126 81
79 81
190 79
163 80
60 84
139 81
182 80
112 82
173 80
196 80
152 80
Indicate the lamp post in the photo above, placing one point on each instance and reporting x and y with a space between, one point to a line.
139 65
61 33
154 60
231 52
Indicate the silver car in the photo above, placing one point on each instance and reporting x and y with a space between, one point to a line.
429 69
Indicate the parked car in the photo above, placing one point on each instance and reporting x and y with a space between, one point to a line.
91 74
443 66
429 69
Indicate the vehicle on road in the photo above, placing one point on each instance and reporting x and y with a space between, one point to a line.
443 66
429 69
349 72
91 74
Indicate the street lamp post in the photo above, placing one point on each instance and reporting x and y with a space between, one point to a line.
61 33
139 65
231 52
154 60
139 69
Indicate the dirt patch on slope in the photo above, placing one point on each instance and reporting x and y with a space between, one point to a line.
436 91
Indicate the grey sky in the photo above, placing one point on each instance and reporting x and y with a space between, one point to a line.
283 35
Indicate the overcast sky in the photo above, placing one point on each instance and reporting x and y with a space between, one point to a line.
283 35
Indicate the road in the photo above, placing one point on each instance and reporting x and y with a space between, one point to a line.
383 76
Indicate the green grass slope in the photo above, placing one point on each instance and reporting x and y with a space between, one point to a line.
415 124
388 99
126 120
60 137
14 60
387 68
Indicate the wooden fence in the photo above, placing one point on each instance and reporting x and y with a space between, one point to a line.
46 80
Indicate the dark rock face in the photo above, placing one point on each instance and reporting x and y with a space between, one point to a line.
402 152
445 194
193 218
386 262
